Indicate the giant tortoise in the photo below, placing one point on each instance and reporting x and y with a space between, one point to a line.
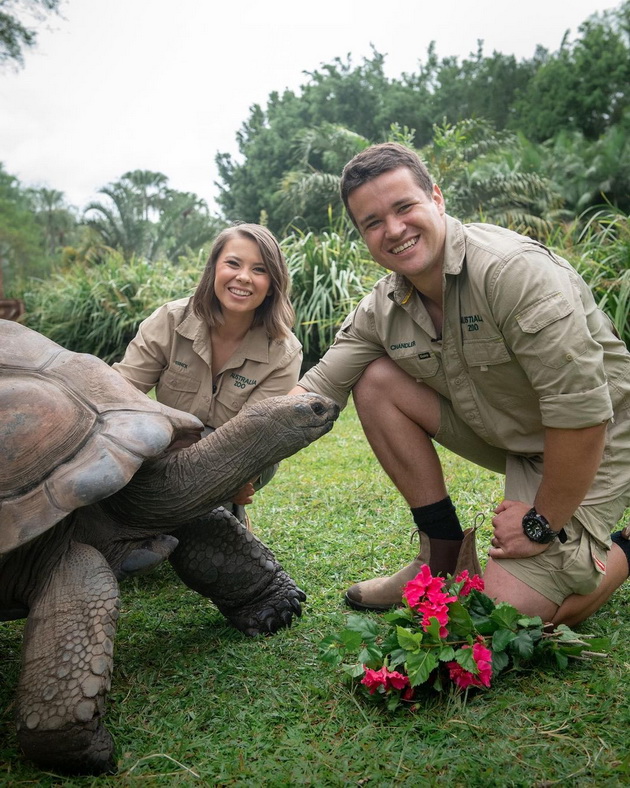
98 483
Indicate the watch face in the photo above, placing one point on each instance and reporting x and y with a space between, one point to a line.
537 530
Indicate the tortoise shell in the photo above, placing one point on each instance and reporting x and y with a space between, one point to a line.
72 432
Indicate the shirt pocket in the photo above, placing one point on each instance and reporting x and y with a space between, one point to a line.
420 365
555 337
177 390
484 353
233 392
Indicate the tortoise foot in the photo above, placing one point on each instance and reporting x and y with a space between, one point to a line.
219 558
72 750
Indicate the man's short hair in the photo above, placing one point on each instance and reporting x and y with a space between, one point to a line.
376 160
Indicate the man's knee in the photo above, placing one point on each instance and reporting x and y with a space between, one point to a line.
376 377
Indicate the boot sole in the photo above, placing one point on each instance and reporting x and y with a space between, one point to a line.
360 606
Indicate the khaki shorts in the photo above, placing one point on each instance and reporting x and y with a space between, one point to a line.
578 565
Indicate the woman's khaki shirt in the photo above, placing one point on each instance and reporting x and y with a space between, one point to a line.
172 351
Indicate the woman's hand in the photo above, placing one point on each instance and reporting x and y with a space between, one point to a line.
245 495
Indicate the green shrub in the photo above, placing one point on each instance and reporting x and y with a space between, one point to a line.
601 254
97 309
330 274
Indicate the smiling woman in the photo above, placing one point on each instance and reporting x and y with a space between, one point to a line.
229 344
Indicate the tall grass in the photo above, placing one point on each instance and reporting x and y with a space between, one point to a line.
330 274
195 703
601 254
97 308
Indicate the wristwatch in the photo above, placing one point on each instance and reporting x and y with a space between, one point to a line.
537 528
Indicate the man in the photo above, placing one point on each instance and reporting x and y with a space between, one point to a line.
488 343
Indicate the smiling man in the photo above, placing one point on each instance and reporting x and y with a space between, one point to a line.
489 344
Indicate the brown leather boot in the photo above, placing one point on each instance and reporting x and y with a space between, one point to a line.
382 593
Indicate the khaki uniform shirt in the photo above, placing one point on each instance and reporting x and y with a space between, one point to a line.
524 346
172 351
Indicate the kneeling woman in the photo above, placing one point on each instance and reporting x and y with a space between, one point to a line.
229 344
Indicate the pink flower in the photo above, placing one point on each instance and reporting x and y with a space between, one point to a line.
388 679
423 584
464 678
438 609
470 583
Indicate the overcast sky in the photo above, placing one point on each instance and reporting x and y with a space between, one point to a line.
163 85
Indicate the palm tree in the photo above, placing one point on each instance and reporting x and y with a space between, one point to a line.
142 217
311 188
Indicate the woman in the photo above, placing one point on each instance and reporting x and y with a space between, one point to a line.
228 344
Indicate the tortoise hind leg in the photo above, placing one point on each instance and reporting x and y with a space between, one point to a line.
67 664
220 559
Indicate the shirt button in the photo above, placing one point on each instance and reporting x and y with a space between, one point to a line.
569 356
458 381
214 389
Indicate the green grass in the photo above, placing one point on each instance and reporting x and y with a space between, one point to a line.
194 702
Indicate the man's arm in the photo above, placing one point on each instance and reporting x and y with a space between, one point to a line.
572 458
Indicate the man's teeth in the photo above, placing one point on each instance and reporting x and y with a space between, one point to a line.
406 245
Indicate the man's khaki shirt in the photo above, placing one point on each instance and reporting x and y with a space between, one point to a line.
524 345
172 351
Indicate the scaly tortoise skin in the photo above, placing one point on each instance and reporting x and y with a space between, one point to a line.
93 489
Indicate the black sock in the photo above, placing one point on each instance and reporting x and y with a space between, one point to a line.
438 520
618 539
440 523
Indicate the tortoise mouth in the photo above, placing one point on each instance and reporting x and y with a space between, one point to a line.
46 430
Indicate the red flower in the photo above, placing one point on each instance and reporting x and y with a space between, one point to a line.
464 678
437 609
470 583
388 679
423 584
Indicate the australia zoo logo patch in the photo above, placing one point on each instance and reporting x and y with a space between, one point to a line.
240 381
472 321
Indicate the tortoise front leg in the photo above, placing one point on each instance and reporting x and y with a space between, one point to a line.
220 559
67 665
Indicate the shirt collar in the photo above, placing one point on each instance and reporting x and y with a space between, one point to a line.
255 345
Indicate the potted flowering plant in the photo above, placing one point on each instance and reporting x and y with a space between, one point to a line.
448 636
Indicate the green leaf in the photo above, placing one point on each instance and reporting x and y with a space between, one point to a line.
480 603
419 667
446 654
350 639
561 659
460 621
500 660
433 630
464 657
393 702
525 621
408 640
371 656
397 657
355 669
506 615
501 638
523 644
365 626
401 616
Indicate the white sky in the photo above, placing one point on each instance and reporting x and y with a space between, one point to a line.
118 85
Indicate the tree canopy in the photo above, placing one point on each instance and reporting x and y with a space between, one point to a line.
305 136
17 31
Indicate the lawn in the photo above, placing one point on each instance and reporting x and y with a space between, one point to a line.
194 702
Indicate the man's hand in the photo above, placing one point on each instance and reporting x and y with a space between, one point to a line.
245 495
509 540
